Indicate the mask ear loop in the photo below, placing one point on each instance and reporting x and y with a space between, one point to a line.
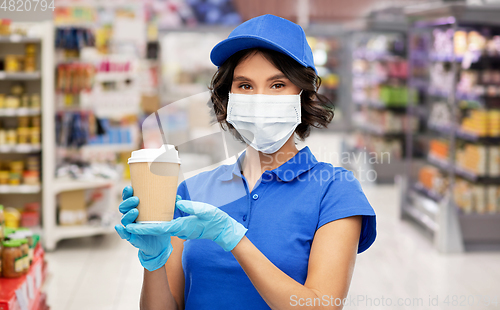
301 92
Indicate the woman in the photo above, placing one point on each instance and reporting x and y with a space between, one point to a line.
286 227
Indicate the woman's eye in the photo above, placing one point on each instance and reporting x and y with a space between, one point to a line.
245 87
278 86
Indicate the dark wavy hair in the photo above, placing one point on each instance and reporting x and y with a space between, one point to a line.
316 109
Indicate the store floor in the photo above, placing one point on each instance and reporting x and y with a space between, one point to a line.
401 267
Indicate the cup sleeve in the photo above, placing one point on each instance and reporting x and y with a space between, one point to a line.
183 192
344 198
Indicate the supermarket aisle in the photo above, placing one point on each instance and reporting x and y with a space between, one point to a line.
94 273
403 264
104 272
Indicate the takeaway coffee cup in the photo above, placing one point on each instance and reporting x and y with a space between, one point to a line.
154 174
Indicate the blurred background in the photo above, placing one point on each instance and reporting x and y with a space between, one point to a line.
416 92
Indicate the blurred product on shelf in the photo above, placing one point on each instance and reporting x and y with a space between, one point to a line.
26 233
476 159
468 47
74 14
23 48
20 135
440 117
30 58
12 259
114 65
191 13
73 78
483 123
105 84
150 103
30 215
383 83
215 12
385 121
476 198
443 41
75 128
380 97
330 81
23 242
439 149
327 50
480 160
123 161
387 150
380 46
467 196
185 73
5 26
4 177
448 44
493 199
472 158
74 38
433 180
86 207
11 173
2 226
441 79
72 208
28 285
18 252
474 84
80 128
19 63
18 98
99 168
12 217
326 59
113 135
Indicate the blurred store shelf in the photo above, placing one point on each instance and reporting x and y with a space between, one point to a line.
455 194
19 75
67 184
20 189
20 111
15 38
66 232
20 148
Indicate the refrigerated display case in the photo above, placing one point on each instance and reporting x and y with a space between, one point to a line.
453 182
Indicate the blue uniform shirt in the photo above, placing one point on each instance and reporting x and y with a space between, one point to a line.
282 213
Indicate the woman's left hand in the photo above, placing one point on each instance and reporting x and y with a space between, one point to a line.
205 222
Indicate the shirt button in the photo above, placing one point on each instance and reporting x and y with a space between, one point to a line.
255 196
244 218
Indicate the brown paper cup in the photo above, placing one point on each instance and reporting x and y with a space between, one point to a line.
155 184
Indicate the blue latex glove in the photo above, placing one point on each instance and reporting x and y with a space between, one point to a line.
205 222
154 251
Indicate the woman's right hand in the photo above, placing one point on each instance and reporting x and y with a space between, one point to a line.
153 250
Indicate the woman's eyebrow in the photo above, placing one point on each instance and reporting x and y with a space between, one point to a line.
241 78
277 77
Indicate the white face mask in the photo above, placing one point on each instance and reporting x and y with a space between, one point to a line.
265 122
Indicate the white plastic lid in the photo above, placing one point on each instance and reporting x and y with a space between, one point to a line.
24 232
16 235
165 154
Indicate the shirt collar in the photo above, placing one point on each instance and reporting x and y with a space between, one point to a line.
303 161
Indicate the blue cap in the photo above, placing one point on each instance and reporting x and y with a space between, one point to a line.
266 31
